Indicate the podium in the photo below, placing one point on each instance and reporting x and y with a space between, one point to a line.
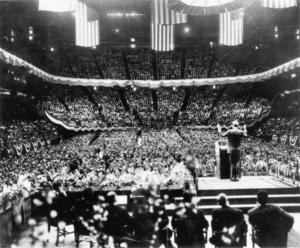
222 157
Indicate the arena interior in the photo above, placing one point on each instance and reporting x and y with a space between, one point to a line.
114 116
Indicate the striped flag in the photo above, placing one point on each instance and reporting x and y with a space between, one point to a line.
231 28
87 26
162 14
278 4
57 5
162 37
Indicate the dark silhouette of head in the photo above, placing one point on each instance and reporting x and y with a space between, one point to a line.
222 200
262 197
111 198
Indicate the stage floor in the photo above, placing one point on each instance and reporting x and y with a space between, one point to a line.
247 182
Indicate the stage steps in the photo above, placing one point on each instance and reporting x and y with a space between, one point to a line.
242 194
249 191
289 202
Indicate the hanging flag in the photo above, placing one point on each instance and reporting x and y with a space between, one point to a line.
57 5
231 28
87 26
162 37
278 4
162 14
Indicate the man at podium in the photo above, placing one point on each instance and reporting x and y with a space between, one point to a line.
234 136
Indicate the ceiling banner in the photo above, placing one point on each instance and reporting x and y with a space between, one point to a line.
16 61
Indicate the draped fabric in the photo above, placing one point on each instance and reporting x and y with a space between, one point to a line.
87 27
162 14
278 4
257 77
231 28
163 20
292 140
202 7
162 37
57 5
83 129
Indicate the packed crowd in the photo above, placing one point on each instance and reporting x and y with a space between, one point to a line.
164 107
130 158
144 64
199 107
237 103
16 133
279 126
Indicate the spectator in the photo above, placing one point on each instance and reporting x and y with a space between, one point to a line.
270 223
228 225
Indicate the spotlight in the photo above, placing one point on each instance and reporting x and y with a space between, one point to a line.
52 49
30 30
30 37
12 39
293 75
174 88
117 30
276 36
132 46
95 88
187 29
214 87
256 47
132 39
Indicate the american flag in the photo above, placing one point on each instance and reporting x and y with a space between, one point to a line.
162 37
87 26
278 4
162 14
231 28
57 5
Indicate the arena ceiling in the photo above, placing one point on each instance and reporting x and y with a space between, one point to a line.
117 31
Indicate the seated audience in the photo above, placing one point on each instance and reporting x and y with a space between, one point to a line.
228 225
270 223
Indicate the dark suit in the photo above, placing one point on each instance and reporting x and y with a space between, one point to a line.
224 219
234 137
271 225
119 223
189 227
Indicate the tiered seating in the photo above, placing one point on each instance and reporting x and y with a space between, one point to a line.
111 63
140 64
168 65
112 108
237 104
199 106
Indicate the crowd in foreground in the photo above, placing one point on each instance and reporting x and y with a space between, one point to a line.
152 220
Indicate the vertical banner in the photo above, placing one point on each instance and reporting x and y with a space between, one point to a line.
162 37
162 14
87 26
231 28
278 4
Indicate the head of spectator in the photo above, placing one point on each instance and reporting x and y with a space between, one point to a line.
222 200
262 197
111 198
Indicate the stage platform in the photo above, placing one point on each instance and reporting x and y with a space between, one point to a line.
247 182
242 194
